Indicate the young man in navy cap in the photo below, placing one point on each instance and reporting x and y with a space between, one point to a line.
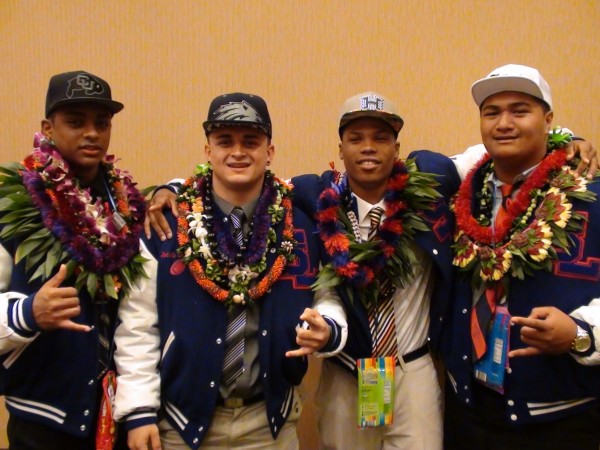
214 361
70 224
522 345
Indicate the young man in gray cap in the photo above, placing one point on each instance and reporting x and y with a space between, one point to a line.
70 224
215 355
399 211
522 345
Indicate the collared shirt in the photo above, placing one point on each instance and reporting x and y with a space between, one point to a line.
411 303
326 302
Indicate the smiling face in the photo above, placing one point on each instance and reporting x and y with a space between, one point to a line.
514 128
369 150
239 157
81 133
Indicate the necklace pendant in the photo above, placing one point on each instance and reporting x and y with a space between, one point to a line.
119 221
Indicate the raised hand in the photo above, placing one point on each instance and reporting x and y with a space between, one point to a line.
312 336
547 330
54 306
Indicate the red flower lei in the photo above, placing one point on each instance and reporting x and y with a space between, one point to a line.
519 245
487 235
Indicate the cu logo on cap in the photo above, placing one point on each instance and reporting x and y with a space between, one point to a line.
371 103
85 84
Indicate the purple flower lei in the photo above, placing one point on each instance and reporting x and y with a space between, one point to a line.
85 228
261 223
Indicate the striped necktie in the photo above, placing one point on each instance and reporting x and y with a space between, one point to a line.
381 311
237 218
375 216
233 363
483 311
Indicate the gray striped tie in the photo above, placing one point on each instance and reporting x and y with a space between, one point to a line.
237 218
234 344
233 363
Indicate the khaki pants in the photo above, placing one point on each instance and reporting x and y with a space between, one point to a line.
240 428
417 410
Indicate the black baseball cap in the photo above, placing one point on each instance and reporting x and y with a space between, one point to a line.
238 109
79 87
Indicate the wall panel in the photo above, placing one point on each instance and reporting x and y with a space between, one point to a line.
167 60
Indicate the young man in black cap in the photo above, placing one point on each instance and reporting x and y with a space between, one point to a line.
215 355
70 224
528 245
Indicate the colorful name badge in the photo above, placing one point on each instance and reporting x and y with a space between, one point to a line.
490 369
375 391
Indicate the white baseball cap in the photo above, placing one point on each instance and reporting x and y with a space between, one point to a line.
370 104
512 77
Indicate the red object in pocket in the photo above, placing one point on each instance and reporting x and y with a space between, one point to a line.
106 431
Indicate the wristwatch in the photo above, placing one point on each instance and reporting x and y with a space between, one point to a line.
582 341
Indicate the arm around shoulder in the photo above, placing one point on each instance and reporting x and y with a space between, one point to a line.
466 160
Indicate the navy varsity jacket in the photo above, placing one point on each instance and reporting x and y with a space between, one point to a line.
546 387
188 328
48 377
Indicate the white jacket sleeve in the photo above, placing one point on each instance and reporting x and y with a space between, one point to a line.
591 315
328 303
137 340
10 338
465 161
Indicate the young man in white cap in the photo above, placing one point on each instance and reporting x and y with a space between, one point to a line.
213 360
69 256
522 346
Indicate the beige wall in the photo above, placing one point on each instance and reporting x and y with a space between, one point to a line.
167 59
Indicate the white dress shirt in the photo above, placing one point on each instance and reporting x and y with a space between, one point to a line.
411 303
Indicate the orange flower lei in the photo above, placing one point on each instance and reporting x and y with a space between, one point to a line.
191 207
